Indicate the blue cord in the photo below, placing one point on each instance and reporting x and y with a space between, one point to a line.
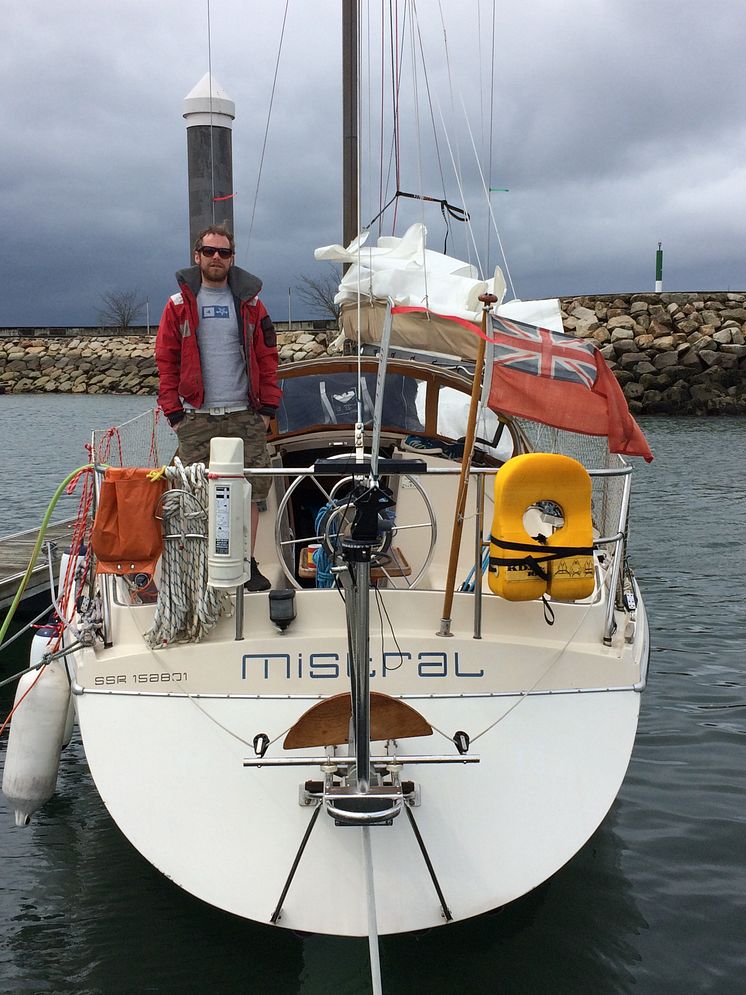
469 584
320 557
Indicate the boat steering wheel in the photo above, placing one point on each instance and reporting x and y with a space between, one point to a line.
339 522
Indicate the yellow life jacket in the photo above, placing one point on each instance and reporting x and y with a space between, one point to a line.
523 567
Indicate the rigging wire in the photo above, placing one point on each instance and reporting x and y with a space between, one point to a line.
393 150
457 213
408 20
418 136
491 134
209 81
432 121
459 184
489 203
266 128
454 151
194 697
449 211
382 71
369 123
23 631
359 427
396 84
457 160
523 695
481 75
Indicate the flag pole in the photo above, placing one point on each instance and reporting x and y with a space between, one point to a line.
463 483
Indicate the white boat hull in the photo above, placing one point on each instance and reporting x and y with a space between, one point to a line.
168 762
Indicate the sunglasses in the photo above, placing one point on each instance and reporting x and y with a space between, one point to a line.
210 250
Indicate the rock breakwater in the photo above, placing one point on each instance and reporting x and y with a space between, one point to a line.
106 364
677 353
85 365
672 353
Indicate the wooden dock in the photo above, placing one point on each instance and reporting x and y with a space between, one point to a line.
15 551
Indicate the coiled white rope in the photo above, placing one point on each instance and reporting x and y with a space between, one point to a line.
187 607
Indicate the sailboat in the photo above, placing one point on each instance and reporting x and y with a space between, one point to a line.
434 707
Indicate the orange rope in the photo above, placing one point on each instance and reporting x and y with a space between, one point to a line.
104 446
153 445
80 539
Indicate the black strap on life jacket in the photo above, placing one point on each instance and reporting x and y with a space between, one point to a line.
548 610
532 561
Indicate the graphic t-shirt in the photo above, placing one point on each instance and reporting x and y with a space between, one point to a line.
221 349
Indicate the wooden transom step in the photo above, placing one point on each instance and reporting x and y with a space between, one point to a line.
327 723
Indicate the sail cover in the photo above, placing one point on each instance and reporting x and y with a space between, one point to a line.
405 271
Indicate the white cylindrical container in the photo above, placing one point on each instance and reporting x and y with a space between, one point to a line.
229 524
36 735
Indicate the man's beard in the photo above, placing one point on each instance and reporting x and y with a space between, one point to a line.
214 271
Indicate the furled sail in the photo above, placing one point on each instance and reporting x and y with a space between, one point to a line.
413 276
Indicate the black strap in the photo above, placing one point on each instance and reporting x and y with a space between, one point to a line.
532 561
529 561
548 610
552 552
457 213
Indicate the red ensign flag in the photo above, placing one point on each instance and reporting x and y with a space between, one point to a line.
560 381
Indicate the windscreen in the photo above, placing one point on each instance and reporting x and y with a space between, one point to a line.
332 399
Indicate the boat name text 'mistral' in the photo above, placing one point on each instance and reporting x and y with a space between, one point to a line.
330 666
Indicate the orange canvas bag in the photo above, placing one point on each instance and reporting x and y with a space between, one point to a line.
127 537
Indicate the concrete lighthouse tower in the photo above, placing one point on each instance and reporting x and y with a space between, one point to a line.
209 114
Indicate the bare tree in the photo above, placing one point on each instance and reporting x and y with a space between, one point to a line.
120 309
319 291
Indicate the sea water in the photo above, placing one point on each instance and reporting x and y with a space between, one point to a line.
655 902
44 437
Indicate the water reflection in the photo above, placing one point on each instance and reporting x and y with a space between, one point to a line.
576 933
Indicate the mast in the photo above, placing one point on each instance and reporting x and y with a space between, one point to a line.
357 578
350 216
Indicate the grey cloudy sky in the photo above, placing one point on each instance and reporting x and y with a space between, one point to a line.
616 124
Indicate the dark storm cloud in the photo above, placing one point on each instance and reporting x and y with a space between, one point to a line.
616 124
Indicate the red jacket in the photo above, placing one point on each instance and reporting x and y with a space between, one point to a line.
177 352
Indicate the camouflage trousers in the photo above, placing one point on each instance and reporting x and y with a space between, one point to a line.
196 430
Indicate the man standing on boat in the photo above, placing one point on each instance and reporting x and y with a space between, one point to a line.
216 352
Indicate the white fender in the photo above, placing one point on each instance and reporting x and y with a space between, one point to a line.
36 734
